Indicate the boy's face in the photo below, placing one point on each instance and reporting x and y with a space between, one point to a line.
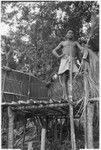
70 34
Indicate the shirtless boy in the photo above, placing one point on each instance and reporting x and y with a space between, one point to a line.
68 51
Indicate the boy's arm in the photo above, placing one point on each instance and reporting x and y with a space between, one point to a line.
55 50
85 54
85 51
78 45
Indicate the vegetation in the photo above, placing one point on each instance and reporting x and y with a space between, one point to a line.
40 26
36 28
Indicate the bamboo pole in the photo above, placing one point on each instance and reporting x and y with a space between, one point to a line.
30 145
85 112
10 127
4 80
61 130
24 130
55 130
73 142
7 64
31 107
43 138
90 112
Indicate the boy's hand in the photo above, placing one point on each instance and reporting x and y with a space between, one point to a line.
76 43
82 64
61 55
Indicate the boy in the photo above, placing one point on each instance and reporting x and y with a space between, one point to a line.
69 51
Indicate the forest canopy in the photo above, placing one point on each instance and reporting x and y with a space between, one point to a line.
36 28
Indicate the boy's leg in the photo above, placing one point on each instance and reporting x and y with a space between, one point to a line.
63 78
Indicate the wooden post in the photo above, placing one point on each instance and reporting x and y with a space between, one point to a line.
73 142
24 131
55 130
61 130
30 147
85 127
90 112
43 138
10 127
85 111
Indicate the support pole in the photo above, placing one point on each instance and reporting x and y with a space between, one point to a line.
61 130
88 115
90 112
55 130
73 142
85 111
85 127
10 127
24 130
43 138
30 145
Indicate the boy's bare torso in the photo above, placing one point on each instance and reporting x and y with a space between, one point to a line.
68 47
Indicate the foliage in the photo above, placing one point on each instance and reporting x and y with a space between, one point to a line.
39 29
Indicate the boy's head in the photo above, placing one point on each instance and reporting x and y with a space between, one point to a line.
70 34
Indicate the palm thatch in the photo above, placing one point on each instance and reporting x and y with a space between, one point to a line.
92 74
92 67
